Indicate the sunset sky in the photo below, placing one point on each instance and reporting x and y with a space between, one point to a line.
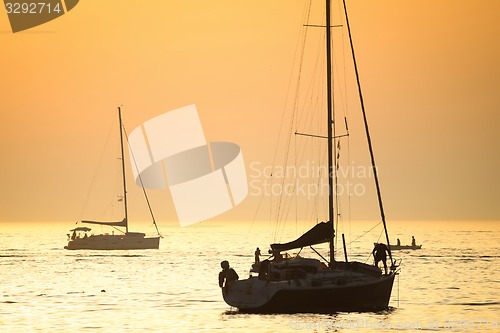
430 72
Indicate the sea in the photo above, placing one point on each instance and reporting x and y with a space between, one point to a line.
452 284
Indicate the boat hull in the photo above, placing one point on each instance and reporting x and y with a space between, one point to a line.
114 242
405 247
373 295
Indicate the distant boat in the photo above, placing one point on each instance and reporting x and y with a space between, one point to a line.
296 284
124 239
405 247
413 245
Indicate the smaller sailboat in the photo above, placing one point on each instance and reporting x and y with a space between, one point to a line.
81 239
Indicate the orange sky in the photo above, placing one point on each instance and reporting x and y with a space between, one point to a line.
429 69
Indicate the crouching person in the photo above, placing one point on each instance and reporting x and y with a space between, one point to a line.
227 275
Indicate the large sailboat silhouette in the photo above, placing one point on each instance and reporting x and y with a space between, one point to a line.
298 284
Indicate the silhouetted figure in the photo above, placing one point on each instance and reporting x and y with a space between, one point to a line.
413 243
399 242
379 254
73 236
227 274
257 255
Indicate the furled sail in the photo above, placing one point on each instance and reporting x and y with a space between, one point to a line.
320 233
85 229
122 223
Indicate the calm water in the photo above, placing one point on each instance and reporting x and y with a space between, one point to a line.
452 284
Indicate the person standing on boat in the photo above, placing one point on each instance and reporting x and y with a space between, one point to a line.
227 274
413 243
379 254
257 255
399 242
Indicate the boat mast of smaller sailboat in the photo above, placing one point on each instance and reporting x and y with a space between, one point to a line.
123 170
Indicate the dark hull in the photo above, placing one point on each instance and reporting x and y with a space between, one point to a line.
114 242
369 297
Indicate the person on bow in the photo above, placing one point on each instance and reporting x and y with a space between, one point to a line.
379 254
227 275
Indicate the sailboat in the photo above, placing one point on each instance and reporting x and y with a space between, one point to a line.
81 239
291 284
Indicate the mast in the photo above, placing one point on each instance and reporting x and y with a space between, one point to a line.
330 129
123 170
372 157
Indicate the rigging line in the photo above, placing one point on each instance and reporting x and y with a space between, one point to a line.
256 211
310 101
305 149
298 161
344 104
354 240
346 100
318 176
372 157
116 228
109 210
312 104
322 26
142 184
99 164
342 93
320 136
288 199
305 18
281 213
319 254
315 176
281 200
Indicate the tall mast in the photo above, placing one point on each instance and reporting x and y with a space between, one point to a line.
330 129
123 170
372 156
